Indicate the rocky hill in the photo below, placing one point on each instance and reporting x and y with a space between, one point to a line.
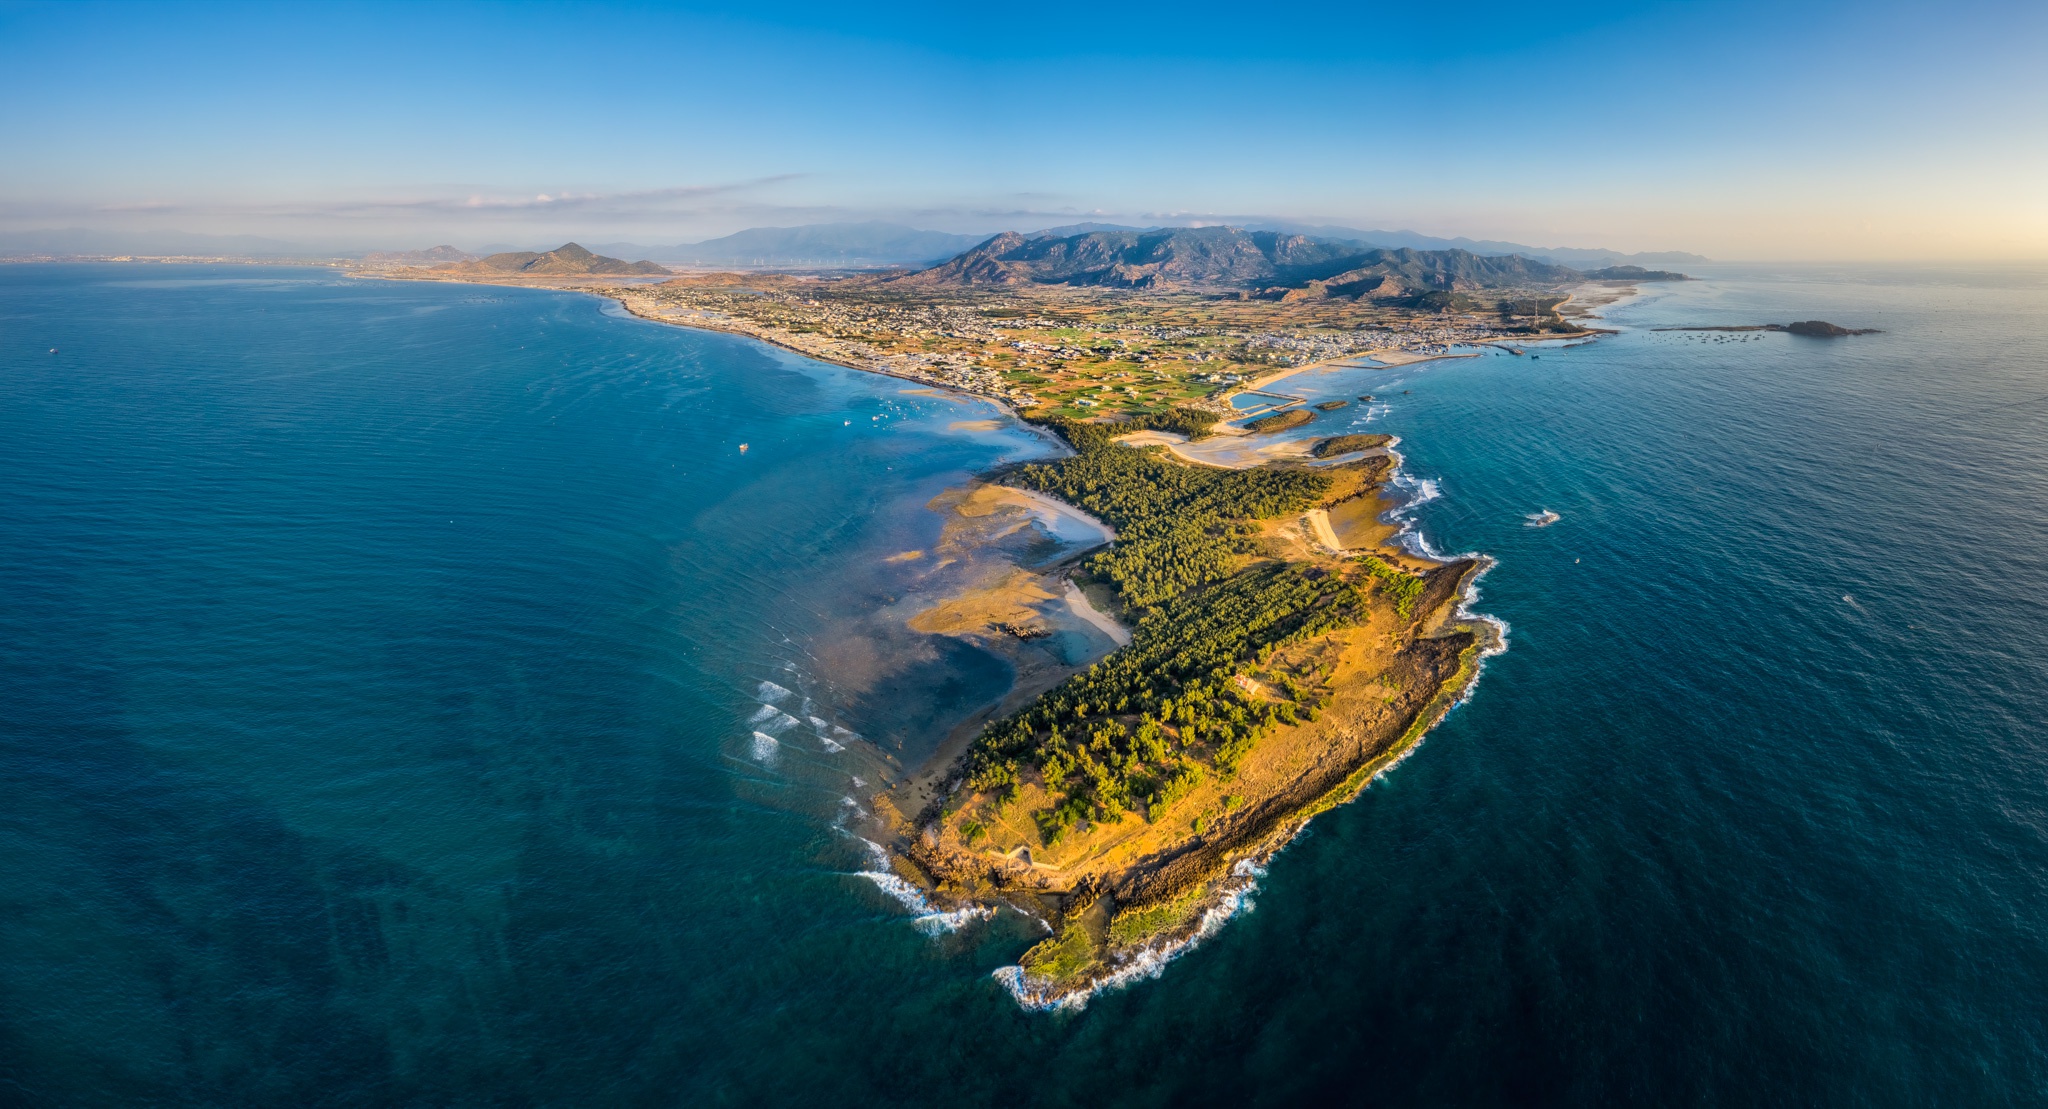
567 260
1267 263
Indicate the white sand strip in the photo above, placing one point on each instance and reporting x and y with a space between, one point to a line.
1077 602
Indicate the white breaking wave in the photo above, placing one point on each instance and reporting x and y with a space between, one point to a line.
769 691
826 734
928 920
1426 490
875 851
925 918
1149 962
774 720
764 747
907 895
938 924
1421 491
1411 537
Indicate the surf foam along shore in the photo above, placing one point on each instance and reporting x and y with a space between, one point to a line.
924 916
1149 961
1409 536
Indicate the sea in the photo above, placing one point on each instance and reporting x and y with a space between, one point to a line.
434 694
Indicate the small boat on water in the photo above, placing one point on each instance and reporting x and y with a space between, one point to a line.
1542 519
743 448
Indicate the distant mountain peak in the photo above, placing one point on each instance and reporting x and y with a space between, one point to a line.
566 260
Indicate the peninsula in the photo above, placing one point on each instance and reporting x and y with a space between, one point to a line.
1284 651
1283 646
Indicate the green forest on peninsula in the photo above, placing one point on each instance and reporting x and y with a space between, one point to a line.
1136 731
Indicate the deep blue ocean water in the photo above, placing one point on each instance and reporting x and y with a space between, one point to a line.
381 667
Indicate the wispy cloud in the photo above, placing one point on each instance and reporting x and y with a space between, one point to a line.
667 214
646 203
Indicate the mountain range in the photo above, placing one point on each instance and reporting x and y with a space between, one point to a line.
1270 263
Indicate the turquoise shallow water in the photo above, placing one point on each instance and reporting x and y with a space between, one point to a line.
381 669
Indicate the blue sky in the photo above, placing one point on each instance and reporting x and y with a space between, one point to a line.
1740 130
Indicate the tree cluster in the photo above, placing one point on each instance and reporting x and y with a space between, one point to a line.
1137 731
1178 527
1405 588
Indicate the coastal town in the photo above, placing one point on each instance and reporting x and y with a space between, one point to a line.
1061 351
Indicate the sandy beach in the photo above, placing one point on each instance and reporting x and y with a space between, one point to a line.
1079 603
1060 519
1318 520
1242 452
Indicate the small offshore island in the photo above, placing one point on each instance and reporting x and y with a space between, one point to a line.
1283 645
